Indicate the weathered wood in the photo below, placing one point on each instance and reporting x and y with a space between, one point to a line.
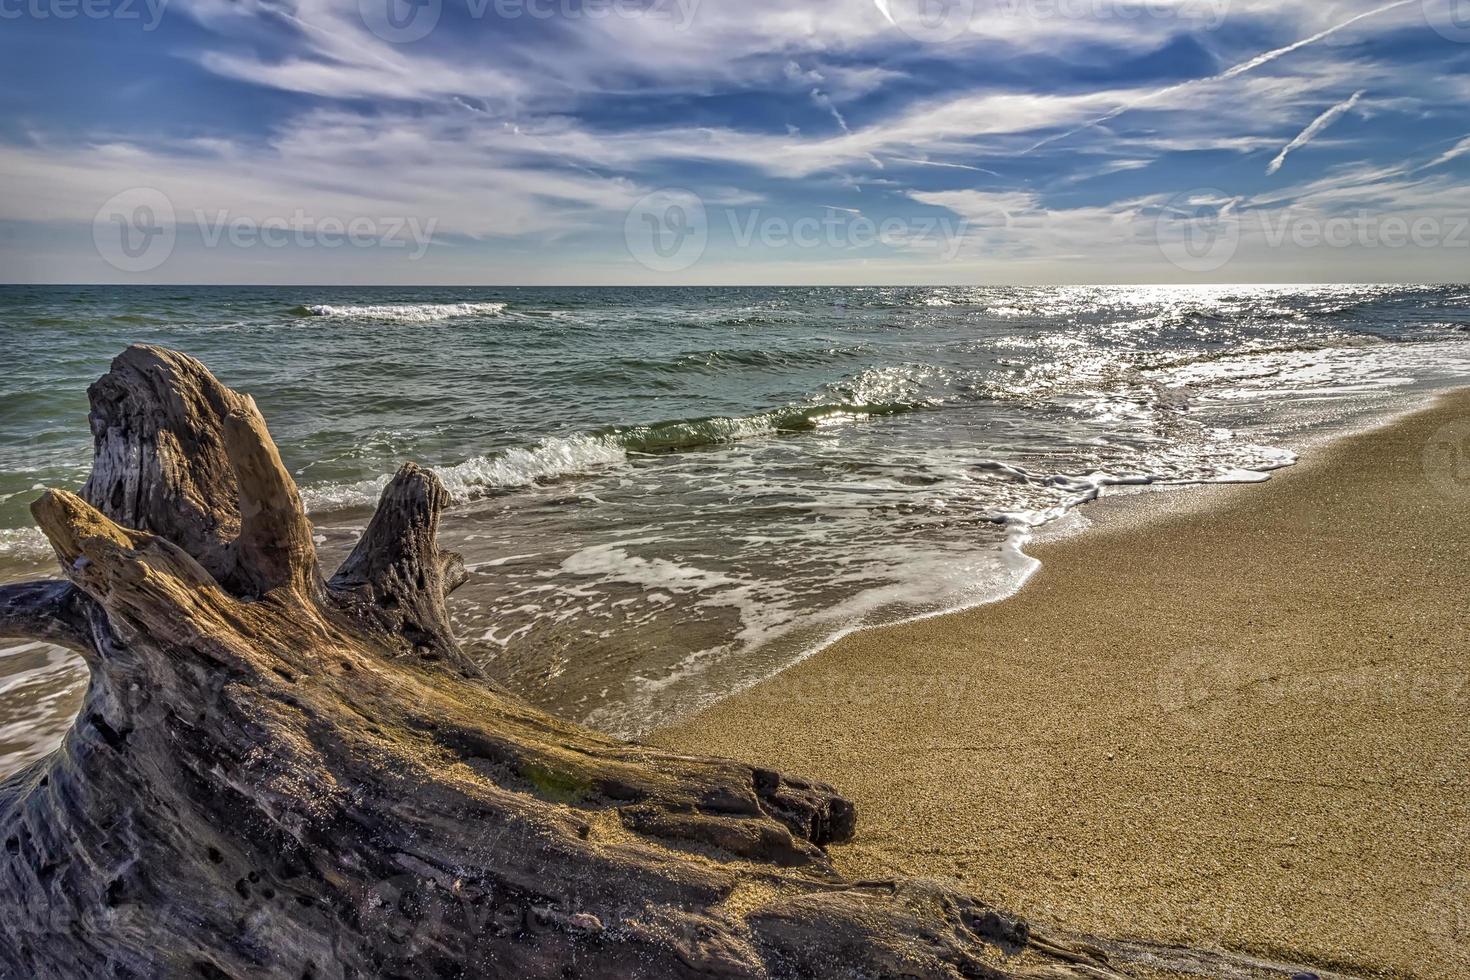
54 611
275 549
159 459
272 777
399 576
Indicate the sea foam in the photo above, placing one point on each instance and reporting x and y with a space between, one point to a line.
558 457
549 459
405 312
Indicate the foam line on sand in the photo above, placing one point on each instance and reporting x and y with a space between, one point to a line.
1228 718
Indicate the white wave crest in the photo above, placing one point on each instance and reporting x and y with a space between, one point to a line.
549 459
406 312
23 542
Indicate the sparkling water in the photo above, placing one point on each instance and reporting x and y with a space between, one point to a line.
667 494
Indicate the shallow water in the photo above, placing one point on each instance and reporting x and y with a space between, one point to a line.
666 494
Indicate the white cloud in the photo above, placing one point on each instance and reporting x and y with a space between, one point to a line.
502 140
486 186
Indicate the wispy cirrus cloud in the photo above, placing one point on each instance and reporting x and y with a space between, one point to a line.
543 132
1235 71
1455 152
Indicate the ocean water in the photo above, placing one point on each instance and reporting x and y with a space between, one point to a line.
665 495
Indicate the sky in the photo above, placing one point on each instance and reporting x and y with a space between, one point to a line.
734 141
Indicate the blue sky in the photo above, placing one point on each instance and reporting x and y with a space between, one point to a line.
734 141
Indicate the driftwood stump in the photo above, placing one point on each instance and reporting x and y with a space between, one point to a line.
277 775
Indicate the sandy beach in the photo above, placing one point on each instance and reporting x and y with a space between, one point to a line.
1225 718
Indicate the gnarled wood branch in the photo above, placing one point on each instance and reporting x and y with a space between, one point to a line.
273 777
53 611
398 574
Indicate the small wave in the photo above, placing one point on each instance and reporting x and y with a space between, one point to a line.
560 457
679 434
911 385
551 459
769 358
746 321
402 312
1149 361
23 542
735 358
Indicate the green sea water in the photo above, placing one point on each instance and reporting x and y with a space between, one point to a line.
666 494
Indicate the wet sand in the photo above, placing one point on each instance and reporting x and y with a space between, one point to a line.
1226 718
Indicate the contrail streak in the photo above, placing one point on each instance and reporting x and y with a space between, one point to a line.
936 163
1453 153
1310 133
1240 69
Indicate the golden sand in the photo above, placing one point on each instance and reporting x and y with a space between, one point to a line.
1229 717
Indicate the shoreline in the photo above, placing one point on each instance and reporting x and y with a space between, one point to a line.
1081 517
44 700
1235 731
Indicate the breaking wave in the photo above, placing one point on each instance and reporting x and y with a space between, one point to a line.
402 312
582 454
